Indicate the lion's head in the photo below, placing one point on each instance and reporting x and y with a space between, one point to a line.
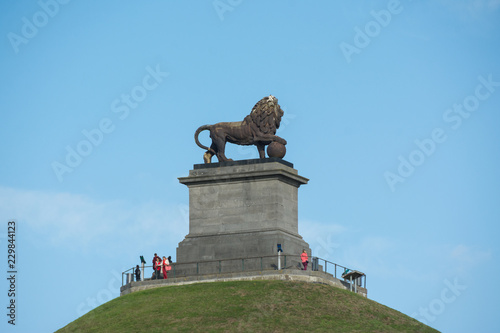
266 115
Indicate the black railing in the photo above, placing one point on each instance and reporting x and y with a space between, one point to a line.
335 273
248 264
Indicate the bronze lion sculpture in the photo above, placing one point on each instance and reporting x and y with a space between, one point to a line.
258 128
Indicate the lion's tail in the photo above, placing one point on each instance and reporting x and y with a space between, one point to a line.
198 131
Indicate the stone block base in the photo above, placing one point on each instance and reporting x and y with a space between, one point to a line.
259 249
238 212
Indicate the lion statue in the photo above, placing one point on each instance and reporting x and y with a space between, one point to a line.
258 128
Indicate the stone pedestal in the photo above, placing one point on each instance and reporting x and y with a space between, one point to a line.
242 209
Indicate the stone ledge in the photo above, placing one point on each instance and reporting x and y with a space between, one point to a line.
284 275
244 232
244 172
243 162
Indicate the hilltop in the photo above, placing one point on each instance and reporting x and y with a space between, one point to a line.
245 306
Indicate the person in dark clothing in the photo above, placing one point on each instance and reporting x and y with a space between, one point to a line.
158 268
137 273
155 259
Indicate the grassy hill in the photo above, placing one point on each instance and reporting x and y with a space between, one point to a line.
245 306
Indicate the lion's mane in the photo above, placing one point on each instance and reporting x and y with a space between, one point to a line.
265 116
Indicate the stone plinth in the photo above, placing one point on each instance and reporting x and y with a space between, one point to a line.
242 209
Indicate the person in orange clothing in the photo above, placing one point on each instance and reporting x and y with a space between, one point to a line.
165 264
305 259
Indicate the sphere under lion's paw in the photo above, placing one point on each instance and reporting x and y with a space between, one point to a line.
276 149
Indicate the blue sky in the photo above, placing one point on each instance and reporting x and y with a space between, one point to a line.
391 110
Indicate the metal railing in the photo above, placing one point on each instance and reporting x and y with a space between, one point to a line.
335 273
247 264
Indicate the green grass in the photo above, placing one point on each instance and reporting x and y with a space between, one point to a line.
245 306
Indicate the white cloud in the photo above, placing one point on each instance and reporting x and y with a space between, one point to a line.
493 4
80 222
380 257
409 260
324 238
467 258
472 8
374 254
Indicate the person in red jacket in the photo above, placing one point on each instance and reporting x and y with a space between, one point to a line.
157 268
165 264
155 258
305 259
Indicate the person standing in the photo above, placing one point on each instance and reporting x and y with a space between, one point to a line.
165 264
155 258
158 268
305 259
169 267
137 273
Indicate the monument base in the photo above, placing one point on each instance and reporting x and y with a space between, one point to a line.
238 213
258 249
